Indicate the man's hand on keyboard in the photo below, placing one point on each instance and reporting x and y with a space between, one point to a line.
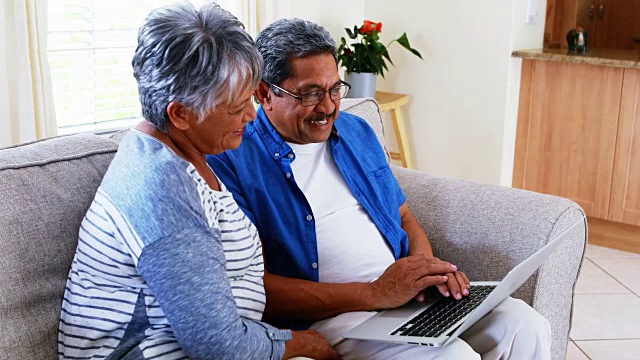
457 285
407 277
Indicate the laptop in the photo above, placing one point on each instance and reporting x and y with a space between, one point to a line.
438 320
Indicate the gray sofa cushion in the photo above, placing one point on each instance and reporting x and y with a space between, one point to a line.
46 188
369 110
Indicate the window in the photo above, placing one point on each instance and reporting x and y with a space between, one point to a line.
90 46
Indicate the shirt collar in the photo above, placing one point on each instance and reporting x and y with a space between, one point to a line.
277 147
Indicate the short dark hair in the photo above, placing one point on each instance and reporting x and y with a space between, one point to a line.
285 39
198 58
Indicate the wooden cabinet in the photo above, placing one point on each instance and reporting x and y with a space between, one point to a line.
578 136
617 23
610 23
567 130
625 190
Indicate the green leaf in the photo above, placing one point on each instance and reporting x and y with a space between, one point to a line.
385 54
404 41
373 53
351 34
416 53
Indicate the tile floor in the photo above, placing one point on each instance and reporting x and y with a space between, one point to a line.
606 317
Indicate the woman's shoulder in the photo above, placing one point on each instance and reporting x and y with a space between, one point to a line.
142 161
147 181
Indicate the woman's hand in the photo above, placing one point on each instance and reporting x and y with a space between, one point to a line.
309 343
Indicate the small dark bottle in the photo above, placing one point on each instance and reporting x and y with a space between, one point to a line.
577 40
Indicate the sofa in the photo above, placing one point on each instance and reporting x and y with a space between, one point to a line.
46 187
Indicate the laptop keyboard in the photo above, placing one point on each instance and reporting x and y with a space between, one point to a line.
442 315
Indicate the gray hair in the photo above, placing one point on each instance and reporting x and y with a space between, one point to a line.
285 39
198 58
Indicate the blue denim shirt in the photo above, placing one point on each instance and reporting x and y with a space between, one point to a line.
259 175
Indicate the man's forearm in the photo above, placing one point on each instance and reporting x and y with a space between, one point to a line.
308 300
418 240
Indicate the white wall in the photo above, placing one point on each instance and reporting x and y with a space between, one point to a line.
524 36
334 15
463 112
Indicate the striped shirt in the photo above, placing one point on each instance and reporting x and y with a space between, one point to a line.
165 267
242 247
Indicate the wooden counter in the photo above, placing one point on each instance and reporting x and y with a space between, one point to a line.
578 132
607 57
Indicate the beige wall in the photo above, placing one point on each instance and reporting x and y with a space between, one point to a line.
332 14
465 94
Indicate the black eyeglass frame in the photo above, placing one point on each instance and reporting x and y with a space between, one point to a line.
301 96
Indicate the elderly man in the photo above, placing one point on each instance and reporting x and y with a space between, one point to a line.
339 239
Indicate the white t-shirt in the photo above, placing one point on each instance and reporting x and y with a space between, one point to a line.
350 246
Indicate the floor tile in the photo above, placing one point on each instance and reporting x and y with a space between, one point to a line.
606 316
600 252
593 280
626 271
611 349
574 353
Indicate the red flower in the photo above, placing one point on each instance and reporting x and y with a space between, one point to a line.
369 26
363 52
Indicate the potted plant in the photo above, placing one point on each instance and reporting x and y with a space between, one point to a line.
365 57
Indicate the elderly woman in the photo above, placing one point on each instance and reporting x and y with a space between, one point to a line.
167 265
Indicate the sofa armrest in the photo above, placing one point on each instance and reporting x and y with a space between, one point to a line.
486 230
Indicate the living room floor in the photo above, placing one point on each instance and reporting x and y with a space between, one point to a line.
607 307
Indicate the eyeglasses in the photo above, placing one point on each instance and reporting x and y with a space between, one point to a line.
315 97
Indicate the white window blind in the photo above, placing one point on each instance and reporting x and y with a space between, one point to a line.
90 46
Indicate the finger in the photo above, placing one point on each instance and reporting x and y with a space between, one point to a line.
466 279
440 268
428 271
420 297
454 287
463 282
421 263
443 289
415 262
427 281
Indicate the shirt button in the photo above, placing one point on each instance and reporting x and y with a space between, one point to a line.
309 217
290 156
276 154
288 175
314 265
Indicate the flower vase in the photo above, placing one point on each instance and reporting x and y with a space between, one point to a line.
362 84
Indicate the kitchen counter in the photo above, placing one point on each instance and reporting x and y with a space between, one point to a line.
606 57
578 132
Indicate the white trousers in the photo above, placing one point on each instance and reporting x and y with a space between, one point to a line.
513 330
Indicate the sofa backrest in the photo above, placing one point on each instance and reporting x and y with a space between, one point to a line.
368 109
45 190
